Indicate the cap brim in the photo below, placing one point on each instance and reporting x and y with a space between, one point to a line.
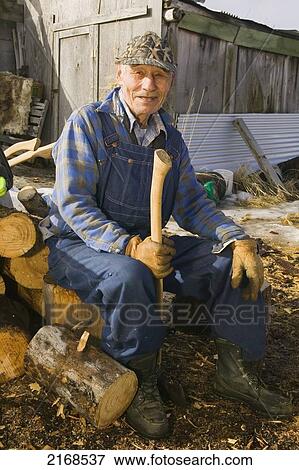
143 61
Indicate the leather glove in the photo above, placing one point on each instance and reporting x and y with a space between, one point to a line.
247 261
157 257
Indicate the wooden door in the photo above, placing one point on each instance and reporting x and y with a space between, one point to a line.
74 71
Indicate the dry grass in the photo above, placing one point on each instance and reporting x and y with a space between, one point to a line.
264 193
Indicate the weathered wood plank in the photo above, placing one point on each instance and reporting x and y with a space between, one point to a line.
198 72
100 19
269 42
258 153
259 82
15 15
209 26
230 75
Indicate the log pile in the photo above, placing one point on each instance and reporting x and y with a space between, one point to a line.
97 387
24 259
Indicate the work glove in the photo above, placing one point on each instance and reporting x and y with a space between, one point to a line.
247 261
156 256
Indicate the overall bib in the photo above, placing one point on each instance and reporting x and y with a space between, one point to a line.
124 288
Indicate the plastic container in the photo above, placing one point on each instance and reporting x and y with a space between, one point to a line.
229 179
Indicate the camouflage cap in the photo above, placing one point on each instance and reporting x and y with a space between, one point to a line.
148 49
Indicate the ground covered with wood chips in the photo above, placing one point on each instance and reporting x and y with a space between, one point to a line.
31 419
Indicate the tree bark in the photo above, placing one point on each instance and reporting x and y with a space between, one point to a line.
64 307
98 387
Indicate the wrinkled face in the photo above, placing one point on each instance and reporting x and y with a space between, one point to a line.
145 88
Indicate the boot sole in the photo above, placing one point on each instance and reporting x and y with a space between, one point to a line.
241 399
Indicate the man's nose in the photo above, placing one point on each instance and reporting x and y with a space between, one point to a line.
149 83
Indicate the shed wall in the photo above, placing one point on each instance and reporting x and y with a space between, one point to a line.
214 75
7 58
236 79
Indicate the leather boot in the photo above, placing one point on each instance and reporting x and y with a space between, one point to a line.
146 414
238 380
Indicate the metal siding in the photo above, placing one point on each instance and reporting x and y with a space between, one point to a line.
214 142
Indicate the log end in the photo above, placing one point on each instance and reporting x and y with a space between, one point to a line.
13 346
17 235
116 400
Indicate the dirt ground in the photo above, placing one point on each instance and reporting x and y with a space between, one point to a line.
28 416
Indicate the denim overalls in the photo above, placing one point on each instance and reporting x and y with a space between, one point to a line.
124 288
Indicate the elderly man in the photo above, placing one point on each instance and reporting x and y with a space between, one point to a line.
100 244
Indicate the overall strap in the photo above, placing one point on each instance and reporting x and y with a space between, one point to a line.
110 136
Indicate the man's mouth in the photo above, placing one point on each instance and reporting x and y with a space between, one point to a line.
147 99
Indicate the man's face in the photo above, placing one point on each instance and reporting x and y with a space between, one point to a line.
145 88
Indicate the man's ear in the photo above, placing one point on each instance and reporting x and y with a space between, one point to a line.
119 74
172 79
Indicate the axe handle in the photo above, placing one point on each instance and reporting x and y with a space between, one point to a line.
32 144
162 165
44 152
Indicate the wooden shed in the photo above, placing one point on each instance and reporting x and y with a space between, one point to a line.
11 25
225 65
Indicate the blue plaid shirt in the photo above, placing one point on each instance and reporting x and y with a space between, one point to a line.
74 208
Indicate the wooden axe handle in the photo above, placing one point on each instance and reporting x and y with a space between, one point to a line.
44 152
32 144
162 165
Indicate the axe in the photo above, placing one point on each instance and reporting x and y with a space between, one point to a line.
44 152
162 165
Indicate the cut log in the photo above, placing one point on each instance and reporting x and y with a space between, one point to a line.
98 387
2 286
33 202
18 233
32 297
29 270
14 321
64 307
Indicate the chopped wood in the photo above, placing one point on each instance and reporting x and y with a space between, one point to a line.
18 233
2 286
13 339
13 345
33 201
30 269
83 341
97 386
33 297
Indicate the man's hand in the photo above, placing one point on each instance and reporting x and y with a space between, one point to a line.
157 257
247 261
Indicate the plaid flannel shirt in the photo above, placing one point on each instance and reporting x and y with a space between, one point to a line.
74 208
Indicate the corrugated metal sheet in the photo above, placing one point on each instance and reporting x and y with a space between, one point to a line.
214 142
